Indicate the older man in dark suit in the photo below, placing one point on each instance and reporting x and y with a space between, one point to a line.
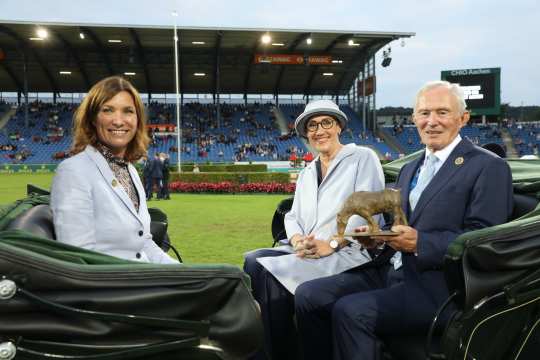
453 188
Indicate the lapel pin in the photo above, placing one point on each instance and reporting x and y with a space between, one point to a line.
114 182
459 161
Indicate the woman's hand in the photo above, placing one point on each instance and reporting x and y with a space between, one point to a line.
297 243
315 249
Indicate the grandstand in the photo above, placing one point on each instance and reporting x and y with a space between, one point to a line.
245 133
239 97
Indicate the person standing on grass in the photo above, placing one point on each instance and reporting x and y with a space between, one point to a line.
157 175
166 174
321 189
97 198
147 177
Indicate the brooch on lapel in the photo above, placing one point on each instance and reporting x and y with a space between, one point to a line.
114 182
459 161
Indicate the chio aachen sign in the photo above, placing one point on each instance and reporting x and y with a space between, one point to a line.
482 88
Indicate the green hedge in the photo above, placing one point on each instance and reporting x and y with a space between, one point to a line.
217 168
235 177
224 168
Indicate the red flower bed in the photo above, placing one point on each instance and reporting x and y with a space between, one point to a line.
220 187
227 187
272 187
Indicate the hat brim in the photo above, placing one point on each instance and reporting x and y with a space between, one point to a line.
301 120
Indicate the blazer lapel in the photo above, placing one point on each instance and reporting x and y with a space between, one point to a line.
311 191
138 185
445 173
110 179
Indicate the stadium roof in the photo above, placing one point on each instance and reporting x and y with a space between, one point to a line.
233 61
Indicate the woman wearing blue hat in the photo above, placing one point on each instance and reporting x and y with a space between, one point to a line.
307 253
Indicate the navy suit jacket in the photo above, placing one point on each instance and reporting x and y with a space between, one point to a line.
157 169
471 190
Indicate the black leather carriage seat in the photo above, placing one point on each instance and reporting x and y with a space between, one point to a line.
523 204
37 220
278 221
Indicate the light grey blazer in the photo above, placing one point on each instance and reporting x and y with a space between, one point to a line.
92 210
314 211
315 207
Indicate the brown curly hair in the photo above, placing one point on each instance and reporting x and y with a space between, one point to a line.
84 130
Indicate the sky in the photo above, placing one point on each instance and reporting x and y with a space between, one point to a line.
450 34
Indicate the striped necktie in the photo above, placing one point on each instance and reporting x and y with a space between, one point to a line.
426 174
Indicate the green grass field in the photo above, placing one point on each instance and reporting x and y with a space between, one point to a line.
204 228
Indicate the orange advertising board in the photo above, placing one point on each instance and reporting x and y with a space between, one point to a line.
320 60
279 59
292 59
371 86
162 127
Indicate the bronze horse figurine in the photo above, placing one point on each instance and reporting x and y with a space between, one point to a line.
368 203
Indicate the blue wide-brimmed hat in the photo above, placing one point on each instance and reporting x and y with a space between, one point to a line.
315 108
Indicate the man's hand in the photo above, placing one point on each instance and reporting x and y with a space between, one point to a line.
405 241
367 242
315 249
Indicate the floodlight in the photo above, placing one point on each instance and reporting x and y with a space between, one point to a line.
386 61
42 33
266 39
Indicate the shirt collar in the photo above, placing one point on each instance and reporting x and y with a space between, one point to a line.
443 154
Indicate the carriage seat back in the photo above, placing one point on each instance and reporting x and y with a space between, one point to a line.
37 220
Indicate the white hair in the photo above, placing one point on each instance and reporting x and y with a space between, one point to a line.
454 89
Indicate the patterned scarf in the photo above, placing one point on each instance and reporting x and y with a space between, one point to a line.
120 170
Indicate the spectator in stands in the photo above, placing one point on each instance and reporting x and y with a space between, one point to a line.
97 198
456 187
322 187
308 158
293 159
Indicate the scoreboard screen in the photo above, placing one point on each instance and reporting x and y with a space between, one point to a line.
481 88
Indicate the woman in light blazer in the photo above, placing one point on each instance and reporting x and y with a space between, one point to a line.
321 189
97 198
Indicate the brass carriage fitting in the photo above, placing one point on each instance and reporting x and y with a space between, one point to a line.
7 290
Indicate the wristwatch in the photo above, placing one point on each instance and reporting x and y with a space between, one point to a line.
334 244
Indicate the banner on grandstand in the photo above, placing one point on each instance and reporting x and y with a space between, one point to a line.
162 127
279 59
21 168
292 59
371 86
319 60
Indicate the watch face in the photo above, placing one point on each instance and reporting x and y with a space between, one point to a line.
334 244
